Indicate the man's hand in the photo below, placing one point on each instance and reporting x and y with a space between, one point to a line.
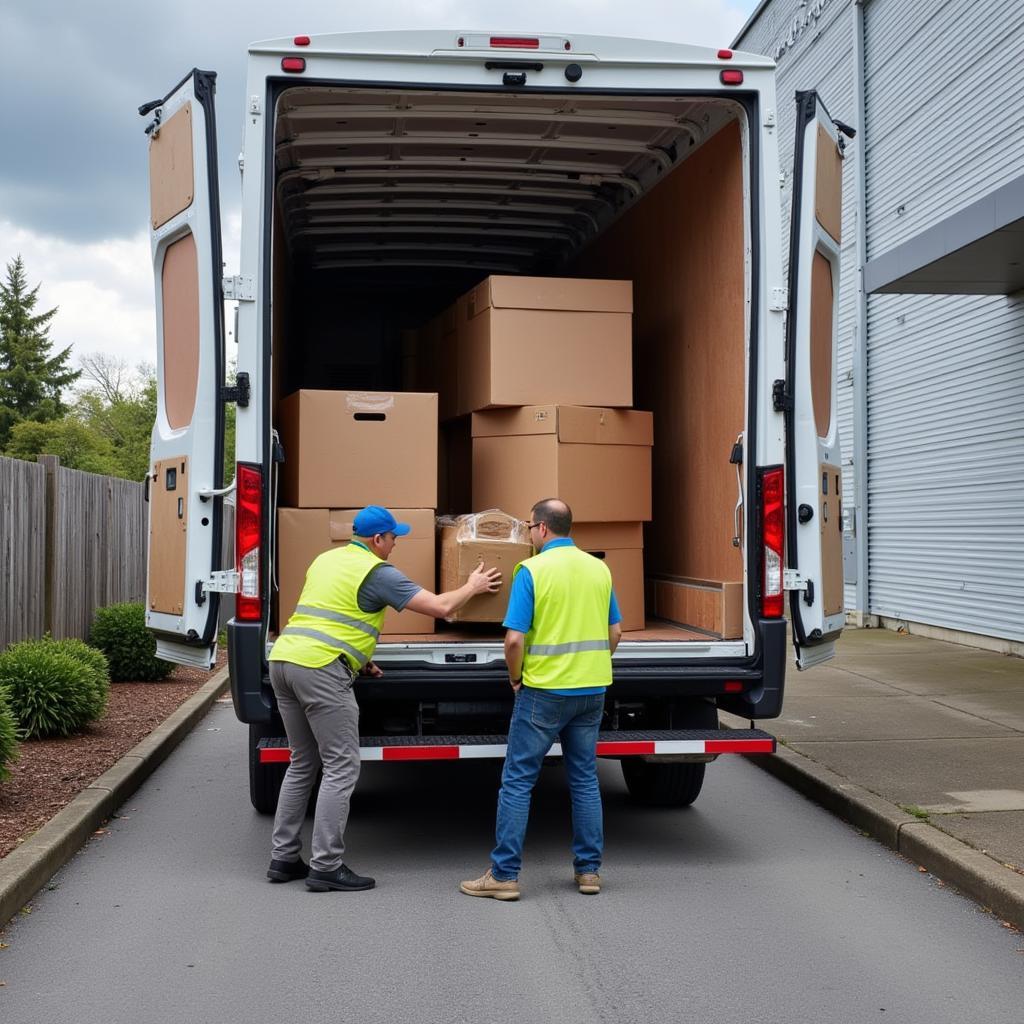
372 669
516 684
483 581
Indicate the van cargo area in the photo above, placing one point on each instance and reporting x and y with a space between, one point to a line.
388 205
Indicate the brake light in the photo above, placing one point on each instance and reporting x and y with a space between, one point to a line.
248 534
725 54
772 536
293 65
515 43
731 77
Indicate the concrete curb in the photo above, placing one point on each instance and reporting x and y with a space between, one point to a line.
27 868
974 873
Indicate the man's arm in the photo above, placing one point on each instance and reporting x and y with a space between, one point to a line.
614 636
440 606
515 646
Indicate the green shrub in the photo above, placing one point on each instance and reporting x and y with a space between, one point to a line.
119 631
96 661
8 737
50 693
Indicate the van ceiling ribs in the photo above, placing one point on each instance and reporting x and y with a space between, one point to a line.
507 182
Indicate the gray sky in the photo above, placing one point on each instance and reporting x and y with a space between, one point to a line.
73 156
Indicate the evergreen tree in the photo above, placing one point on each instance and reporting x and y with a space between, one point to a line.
31 379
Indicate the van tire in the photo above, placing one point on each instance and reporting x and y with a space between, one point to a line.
662 785
264 779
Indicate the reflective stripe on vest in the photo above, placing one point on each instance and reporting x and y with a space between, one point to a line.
567 646
328 621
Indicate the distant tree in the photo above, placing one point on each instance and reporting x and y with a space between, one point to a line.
78 446
32 380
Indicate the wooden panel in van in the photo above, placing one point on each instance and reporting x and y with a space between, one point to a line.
830 520
180 302
168 530
683 247
822 306
171 171
828 193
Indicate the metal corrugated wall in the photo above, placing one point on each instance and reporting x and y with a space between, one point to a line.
943 83
821 59
945 373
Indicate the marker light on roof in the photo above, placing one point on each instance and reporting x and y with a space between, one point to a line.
301 40
731 77
515 43
293 65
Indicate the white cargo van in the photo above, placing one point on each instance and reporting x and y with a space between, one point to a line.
385 174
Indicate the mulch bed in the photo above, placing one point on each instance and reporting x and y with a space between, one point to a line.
49 774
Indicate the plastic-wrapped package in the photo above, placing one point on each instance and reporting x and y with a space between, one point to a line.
491 525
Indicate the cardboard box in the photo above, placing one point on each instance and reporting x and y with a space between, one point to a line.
460 557
710 605
620 547
303 533
347 449
532 340
597 460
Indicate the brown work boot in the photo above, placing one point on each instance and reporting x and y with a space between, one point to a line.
589 882
488 885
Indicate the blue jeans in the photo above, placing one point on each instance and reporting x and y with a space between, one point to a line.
539 719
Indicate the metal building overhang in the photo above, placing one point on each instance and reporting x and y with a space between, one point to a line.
977 251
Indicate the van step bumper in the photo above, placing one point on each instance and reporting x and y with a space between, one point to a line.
609 744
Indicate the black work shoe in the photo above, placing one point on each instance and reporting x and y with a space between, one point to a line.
287 870
342 880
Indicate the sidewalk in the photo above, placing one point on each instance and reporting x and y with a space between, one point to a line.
935 730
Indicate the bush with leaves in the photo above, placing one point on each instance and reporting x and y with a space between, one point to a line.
8 737
49 692
120 632
95 660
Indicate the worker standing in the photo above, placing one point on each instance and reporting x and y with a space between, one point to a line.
563 626
330 637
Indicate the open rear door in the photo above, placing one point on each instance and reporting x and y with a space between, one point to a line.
814 539
187 450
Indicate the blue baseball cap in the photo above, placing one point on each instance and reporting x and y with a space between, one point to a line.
374 519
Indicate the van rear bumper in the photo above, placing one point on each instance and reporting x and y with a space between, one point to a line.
761 695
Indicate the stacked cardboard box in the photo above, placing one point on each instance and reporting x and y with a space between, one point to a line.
345 450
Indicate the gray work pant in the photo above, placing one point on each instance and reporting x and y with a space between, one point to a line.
321 718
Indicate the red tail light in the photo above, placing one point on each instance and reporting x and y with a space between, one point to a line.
731 77
248 535
772 535
293 65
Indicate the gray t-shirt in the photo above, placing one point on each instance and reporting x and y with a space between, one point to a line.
385 587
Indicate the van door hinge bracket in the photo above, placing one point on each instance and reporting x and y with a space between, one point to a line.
238 393
782 400
224 582
793 579
240 288
779 301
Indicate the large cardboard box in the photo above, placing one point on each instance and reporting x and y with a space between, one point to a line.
531 340
304 533
710 605
597 460
460 557
620 546
347 449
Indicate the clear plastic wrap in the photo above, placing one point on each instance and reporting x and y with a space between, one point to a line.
491 525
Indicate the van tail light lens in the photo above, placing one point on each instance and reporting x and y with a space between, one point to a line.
248 535
515 43
293 65
731 77
773 539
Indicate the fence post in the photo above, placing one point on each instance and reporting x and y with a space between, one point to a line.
51 463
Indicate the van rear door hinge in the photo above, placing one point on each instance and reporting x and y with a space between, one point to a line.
238 393
224 582
778 301
241 289
793 579
782 400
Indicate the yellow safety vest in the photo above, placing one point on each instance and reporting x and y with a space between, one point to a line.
567 646
328 620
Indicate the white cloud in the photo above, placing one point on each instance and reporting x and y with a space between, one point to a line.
103 291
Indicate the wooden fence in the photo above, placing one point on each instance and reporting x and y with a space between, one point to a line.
70 542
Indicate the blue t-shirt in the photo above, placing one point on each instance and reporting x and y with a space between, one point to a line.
520 609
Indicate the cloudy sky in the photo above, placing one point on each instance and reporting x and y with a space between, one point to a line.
73 156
